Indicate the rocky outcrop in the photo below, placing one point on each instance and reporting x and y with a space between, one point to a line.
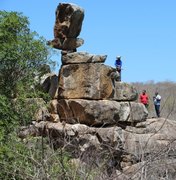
88 94
138 141
95 117
126 151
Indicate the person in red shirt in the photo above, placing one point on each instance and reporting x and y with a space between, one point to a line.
144 98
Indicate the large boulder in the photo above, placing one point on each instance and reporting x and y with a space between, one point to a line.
85 81
124 92
92 81
100 113
69 18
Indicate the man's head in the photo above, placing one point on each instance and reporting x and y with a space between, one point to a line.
118 57
144 91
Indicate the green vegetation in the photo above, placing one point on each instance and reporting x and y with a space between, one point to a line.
33 159
24 58
22 55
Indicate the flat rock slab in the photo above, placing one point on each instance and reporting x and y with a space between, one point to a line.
100 113
82 57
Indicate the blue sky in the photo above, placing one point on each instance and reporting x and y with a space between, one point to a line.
142 32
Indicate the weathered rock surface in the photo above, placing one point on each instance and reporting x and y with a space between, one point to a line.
124 92
49 83
67 27
42 114
66 44
82 57
85 81
92 81
132 148
152 134
100 113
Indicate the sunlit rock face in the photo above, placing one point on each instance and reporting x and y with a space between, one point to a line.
85 81
68 24
85 76
82 57
100 113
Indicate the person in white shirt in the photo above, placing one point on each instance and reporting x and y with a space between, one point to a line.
157 102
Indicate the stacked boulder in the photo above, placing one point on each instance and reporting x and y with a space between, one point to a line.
88 94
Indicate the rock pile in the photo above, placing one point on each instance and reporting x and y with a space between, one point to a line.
88 94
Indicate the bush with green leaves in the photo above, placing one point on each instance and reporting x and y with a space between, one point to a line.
23 58
8 118
34 159
23 53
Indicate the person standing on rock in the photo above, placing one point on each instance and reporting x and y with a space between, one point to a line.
118 65
157 101
144 98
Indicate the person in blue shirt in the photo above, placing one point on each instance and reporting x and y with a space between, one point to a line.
118 65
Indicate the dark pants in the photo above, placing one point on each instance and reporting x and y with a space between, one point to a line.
119 71
157 109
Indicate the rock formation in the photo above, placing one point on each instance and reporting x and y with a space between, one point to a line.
97 118
88 94
67 27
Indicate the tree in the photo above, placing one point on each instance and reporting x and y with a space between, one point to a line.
22 54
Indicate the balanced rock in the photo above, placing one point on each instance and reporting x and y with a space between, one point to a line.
96 118
67 27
